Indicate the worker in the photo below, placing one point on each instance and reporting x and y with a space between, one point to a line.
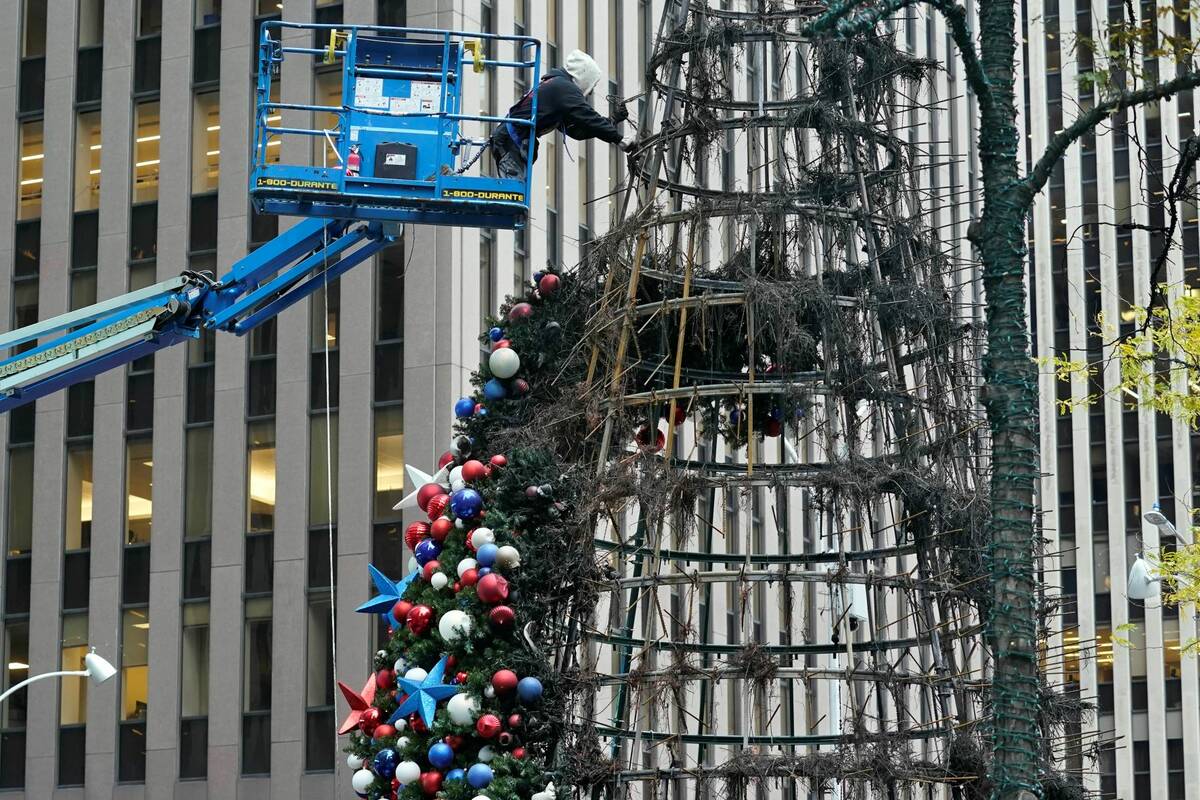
561 104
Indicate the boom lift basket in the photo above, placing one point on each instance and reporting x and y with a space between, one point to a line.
399 146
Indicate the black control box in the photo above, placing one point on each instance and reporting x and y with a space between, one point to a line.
396 160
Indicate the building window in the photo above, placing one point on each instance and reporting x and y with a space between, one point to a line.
392 12
91 22
139 482
30 175
87 161
260 480
193 692
328 93
145 152
206 142
73 705
389 327
135 674
322 469
319 741
13 713
260 379
20 502
197 500
389 460
325 309
487 274
256 688
79 499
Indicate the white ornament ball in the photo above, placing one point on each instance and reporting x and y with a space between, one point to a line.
362 780
439 580
416 674
413 566
402 742
400 667
454 447
408 771
504 363
458 485
458 523
455 476
454 626
463 708
481 797
466 564
545 794
486 753
489 692
380 653
482 536
400 724
354 762
507 556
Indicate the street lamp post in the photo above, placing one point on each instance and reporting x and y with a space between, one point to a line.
95 668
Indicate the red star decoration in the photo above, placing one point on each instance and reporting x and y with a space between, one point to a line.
358 703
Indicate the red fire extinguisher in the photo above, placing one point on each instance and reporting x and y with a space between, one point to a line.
353 162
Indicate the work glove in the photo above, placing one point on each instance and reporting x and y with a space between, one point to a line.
620 114
629 142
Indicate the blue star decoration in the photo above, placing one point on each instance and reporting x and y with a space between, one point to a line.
390 593
423 697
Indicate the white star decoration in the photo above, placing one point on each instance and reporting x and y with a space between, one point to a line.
419 479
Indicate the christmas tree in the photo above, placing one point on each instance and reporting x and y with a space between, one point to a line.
464 702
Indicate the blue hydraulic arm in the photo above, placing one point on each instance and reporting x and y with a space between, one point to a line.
74 347
400 141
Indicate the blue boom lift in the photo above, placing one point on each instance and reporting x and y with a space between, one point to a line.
402 156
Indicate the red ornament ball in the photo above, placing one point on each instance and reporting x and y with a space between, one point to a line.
400 610
383 731
461 678
455 741
368 721
473 471
501 344
446 458
416 723
440 529
451 661
518 752
514 720
429 568
548 285
520 311
772 427
469 577
431 782
488 726
437 505
680 415
493 588
505 738
419 619
520 387
498 461
383 679
504 681
457 587
415 532
644 437
501 616
427 493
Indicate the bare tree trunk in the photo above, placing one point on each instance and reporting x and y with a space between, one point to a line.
1010 397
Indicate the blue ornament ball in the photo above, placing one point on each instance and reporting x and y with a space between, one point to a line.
495 334
529 690
441 755
482 412
455 775
479 775
464 407
494 390
484 571
385 762
486 555
466 503
427 550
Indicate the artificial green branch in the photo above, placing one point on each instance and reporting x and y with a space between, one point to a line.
1088 121
840 18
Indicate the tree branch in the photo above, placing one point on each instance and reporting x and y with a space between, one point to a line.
1088 121
840 18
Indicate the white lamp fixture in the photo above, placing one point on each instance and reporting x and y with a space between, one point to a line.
1159 520
96 668
1141 584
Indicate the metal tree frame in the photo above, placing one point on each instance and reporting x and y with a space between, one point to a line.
771 286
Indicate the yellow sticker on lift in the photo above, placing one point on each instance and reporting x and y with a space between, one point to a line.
296 183
476 194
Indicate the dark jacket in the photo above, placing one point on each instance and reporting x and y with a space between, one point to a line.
561 104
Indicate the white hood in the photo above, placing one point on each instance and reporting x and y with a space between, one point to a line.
584 69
